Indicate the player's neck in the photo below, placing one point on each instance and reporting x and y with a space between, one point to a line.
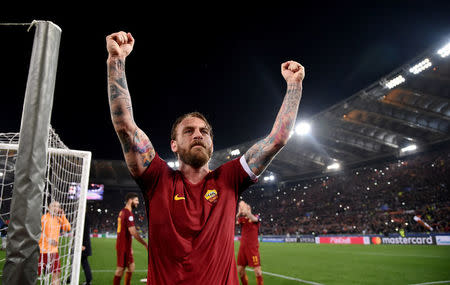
128 206
194 175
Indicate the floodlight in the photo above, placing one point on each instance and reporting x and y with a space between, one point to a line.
303 128
409 148
269 178
444 51
421 66
333 166
395 81
235 152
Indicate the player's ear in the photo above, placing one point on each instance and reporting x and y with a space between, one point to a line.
174 146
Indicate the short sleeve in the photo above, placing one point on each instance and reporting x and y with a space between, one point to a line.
129 219
236 176
152 175
247 169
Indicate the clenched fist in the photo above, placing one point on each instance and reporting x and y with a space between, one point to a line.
119 44
293 72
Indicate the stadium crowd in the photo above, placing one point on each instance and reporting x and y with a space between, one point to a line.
377 199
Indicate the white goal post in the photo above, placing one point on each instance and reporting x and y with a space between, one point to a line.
66 181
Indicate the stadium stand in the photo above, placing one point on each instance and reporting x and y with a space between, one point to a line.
378 199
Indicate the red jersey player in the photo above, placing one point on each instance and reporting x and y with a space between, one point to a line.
125 230
191 211
249 246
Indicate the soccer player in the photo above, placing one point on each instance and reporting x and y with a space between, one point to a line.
125 230
191 211
52 223
86 251
249 246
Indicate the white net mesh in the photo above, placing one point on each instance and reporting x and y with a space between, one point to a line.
66 176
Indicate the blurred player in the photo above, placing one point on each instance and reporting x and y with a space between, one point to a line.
3 233
191 211
249 247
125 231
86 251
52 223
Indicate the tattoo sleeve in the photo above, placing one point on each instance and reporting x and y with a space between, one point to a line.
261 154
136 146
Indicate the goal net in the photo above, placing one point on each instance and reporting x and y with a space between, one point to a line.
63 207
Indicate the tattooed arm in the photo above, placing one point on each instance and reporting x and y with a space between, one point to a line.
261 154
136 146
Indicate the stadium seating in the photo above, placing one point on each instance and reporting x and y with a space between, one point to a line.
376 199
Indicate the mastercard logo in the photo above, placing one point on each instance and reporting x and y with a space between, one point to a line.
376 240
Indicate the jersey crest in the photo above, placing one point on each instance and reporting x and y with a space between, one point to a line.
211 196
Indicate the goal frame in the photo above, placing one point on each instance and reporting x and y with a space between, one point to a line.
78 237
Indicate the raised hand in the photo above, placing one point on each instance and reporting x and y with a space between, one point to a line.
261 153
242 205
119 44
246 210
292 71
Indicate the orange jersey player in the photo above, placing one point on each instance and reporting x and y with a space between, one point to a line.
249 248
52 223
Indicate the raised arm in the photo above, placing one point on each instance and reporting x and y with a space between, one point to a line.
136 146
237 217
65 224
261 154
252 218
248 213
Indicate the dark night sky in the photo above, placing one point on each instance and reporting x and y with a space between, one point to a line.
223 61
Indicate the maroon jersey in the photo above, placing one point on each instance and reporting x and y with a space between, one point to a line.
249 232
124 221
191 226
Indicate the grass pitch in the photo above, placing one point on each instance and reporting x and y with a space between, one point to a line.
297 263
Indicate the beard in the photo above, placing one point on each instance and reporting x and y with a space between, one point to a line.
195 156
134 205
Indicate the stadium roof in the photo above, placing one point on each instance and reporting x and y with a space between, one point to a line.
376 122
410 106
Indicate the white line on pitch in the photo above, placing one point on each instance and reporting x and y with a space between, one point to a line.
287 277
435 282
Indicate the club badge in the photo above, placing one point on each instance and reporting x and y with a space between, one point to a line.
211 196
